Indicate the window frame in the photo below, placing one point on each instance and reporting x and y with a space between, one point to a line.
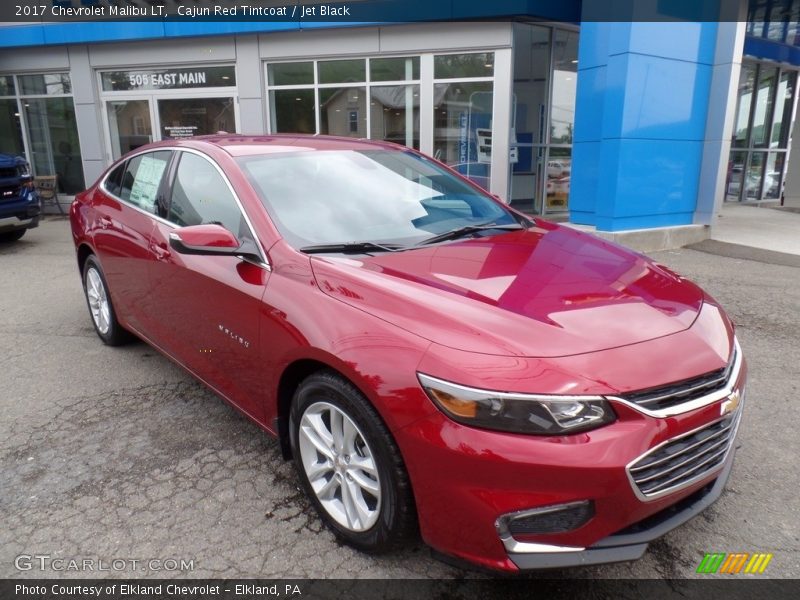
749 148
159 189
165 190
316 86
169 182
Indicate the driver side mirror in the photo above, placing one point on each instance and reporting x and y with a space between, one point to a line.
212 240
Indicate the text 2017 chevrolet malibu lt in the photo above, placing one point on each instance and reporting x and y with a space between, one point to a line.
520 394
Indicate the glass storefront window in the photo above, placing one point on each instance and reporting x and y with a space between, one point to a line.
735 175
456 66
545 88
755 170
746 86
565 68
559 171
394 69
343 111
765 97
394 114
53 141
755 21
793 33
189 117
773 175
48 84
297 73
10 128
342 102
763 121
342 71
783 110
462 134
7 85
292 111
129 124
776 25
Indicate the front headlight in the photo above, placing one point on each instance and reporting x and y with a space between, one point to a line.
517 413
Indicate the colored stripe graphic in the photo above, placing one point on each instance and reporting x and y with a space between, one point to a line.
734 563
711 562
758 563
720 562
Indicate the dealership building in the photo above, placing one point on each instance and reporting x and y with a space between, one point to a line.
615 126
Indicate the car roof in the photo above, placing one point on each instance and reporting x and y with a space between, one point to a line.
250 145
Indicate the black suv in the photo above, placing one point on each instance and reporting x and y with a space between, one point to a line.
19 202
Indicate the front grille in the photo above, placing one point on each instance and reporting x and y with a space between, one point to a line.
685 459
8 172
9 192
687 390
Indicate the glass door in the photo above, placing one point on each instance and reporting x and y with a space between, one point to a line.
181 118
130 125
545 80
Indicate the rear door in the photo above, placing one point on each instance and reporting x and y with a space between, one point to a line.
208 306
125 205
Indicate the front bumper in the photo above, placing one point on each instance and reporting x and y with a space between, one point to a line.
466 480
631 542
20 213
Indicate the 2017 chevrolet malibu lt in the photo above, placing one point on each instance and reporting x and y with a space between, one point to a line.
521 394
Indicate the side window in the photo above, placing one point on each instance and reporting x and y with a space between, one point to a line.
113 181
200 195
141 179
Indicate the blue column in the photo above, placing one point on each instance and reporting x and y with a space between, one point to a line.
640 122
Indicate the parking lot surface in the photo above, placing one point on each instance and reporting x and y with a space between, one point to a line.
116 453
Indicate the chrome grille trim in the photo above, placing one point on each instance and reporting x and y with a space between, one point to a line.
708 460
732 370
655 463
679 390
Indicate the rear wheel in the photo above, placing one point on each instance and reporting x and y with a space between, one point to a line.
350 466
12 236
101 309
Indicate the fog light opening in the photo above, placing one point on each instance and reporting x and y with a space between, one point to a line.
558 518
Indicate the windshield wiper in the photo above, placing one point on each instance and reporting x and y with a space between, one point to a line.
466 230
351 248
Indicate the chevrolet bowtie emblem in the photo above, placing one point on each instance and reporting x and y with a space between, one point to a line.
731 404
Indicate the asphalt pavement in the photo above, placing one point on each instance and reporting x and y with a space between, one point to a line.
116 454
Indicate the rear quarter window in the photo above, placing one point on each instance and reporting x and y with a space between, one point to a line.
142 178
112 184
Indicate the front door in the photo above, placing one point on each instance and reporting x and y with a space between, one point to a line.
208 306
124 208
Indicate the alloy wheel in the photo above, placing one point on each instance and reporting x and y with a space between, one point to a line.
340 466
98 300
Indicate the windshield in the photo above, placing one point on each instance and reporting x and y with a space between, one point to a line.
346 196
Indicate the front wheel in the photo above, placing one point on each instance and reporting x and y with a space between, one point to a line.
100 307
12 236
350 466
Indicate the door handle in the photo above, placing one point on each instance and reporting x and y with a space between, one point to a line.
161 251
105 222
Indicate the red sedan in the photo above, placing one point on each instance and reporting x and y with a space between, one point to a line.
521 394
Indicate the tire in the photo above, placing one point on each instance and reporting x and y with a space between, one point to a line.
101 309
362 465
12 236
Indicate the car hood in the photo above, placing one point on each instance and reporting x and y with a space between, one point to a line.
9 160
543 292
